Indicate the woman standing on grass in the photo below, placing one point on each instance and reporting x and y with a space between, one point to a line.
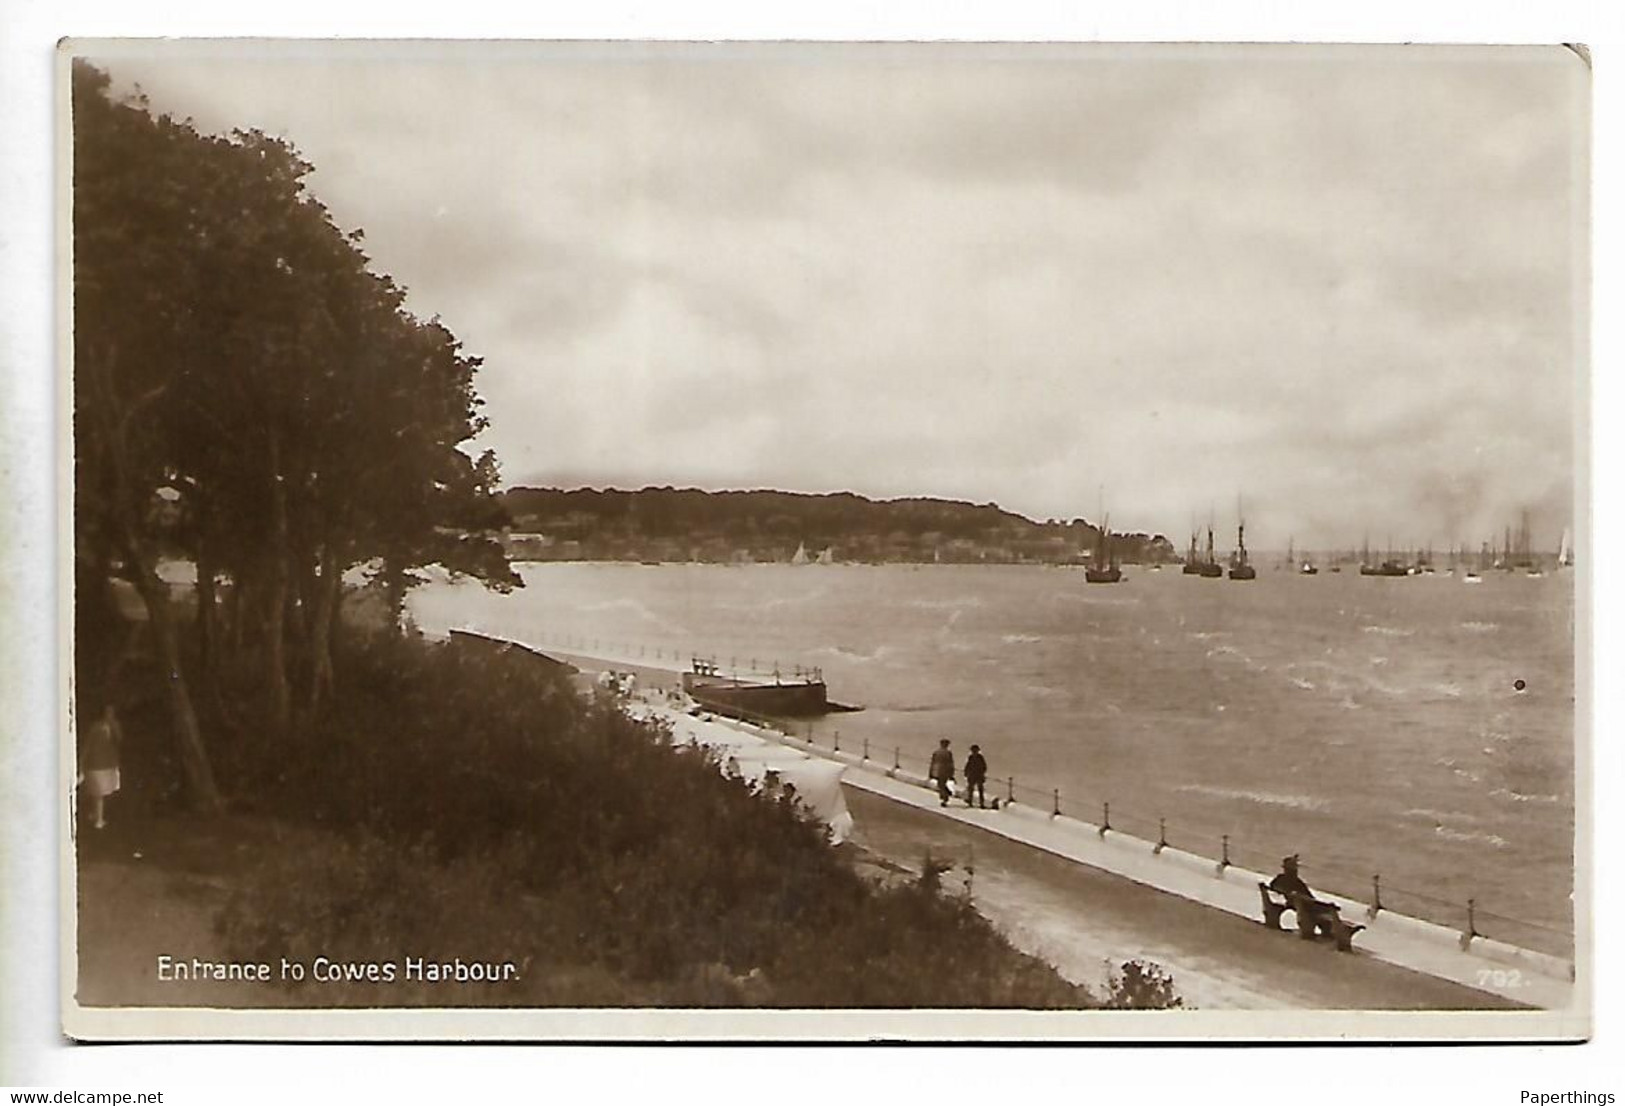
98 762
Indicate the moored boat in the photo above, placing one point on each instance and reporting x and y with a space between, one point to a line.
1103 569
801 694
1210 568
1241 568
1193 566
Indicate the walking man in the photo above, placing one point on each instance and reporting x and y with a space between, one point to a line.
942 771
976 777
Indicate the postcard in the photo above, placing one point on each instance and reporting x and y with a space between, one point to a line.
824 541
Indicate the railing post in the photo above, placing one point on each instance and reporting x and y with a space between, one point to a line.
1162 837
1009 790
1376 897
1056 813
1105 818
866 748
837 741
1224 855
1472 927
896 759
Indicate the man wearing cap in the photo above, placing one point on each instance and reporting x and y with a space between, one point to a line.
1312 913
976 777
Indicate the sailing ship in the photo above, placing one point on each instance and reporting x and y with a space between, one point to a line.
800 557
1388 567
826 557
1103 569
1565 550
1210 568
1193 567
1240 568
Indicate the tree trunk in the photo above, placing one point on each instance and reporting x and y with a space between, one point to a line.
124 510
395 594
235 611
188 738
321 638
207 622
276 599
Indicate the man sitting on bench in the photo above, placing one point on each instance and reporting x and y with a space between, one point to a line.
1313 914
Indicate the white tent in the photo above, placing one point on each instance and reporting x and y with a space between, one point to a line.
817 782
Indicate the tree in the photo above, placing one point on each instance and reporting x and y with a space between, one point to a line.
237 360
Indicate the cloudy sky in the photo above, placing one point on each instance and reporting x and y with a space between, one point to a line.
1345 286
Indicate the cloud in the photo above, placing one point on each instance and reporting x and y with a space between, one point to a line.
1339 282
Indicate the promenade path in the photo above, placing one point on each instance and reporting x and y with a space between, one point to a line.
1087 921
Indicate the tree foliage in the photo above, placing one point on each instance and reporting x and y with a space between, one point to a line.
251 396
691 523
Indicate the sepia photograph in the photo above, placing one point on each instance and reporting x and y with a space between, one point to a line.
825 540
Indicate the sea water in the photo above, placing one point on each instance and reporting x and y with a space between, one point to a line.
1414 729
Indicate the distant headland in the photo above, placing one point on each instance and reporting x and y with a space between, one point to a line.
729 527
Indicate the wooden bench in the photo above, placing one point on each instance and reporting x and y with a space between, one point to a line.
1327 918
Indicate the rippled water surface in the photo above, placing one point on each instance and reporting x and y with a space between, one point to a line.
1370 724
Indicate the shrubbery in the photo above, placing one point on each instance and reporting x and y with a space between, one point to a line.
486 811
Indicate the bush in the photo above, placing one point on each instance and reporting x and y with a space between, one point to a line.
1142 985
485 809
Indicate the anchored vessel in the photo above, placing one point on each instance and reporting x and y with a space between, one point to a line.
800 694
1193 566
1241 569
1210 568
1104 568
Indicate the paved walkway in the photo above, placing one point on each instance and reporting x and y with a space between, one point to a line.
1087 922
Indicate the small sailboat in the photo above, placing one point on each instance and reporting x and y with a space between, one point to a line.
1475 575
1565 550
800 557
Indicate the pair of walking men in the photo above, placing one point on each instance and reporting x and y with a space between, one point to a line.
942 772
